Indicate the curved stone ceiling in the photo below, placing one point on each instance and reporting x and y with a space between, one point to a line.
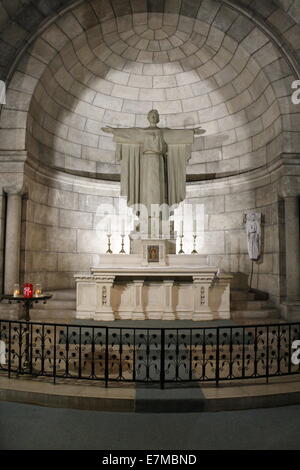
20 20
214 70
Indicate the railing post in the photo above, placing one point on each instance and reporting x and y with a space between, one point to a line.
243 354
120 354
31 350
290 351
106 372
162 359
278 350
9 351
54 356
267 356
80 352
191 356
217 358
93 354
67 352
255 352
43 351
230 355
20 348
134 359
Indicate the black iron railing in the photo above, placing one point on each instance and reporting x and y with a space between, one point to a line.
148 355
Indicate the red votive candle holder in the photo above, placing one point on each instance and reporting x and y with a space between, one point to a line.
28 290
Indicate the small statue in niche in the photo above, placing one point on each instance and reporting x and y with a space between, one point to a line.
252 222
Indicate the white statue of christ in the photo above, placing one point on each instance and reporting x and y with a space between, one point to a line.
153 162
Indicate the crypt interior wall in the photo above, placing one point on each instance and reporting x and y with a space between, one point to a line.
61 237
89 68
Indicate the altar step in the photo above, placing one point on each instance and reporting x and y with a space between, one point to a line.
244 305
62 306
252 305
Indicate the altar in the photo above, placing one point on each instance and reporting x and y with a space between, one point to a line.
123 287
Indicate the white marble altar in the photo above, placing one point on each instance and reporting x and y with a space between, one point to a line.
179 287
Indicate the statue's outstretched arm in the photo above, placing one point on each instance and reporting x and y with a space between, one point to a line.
199 131
124 135
108 129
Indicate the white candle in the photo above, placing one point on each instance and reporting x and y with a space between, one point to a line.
195 226
109 227
181 228
123 227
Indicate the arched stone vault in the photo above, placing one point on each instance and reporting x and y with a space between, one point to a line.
20 20
101 63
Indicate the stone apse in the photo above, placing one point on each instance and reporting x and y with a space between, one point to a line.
85 65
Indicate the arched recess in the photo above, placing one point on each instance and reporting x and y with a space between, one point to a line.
218 68
20 21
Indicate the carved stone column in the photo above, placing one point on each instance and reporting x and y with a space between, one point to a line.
292 245
104 310
219 301
12 239
138 311
86 296
201 285
168 313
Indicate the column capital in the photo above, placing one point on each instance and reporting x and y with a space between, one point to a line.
14 190
289 186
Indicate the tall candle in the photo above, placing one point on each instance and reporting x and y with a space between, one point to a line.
195 226
109 227
123 227
181 228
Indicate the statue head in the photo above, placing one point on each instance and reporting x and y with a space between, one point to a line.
153 117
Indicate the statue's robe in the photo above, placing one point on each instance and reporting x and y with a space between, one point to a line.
153 164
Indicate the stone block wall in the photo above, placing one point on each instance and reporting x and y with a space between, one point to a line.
60 222
225 240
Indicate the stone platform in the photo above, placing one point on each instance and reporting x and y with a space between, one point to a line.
280 391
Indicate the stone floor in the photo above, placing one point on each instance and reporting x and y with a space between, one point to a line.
34 427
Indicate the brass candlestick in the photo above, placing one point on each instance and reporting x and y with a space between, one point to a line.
181 252
122 245
109 244
194 252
